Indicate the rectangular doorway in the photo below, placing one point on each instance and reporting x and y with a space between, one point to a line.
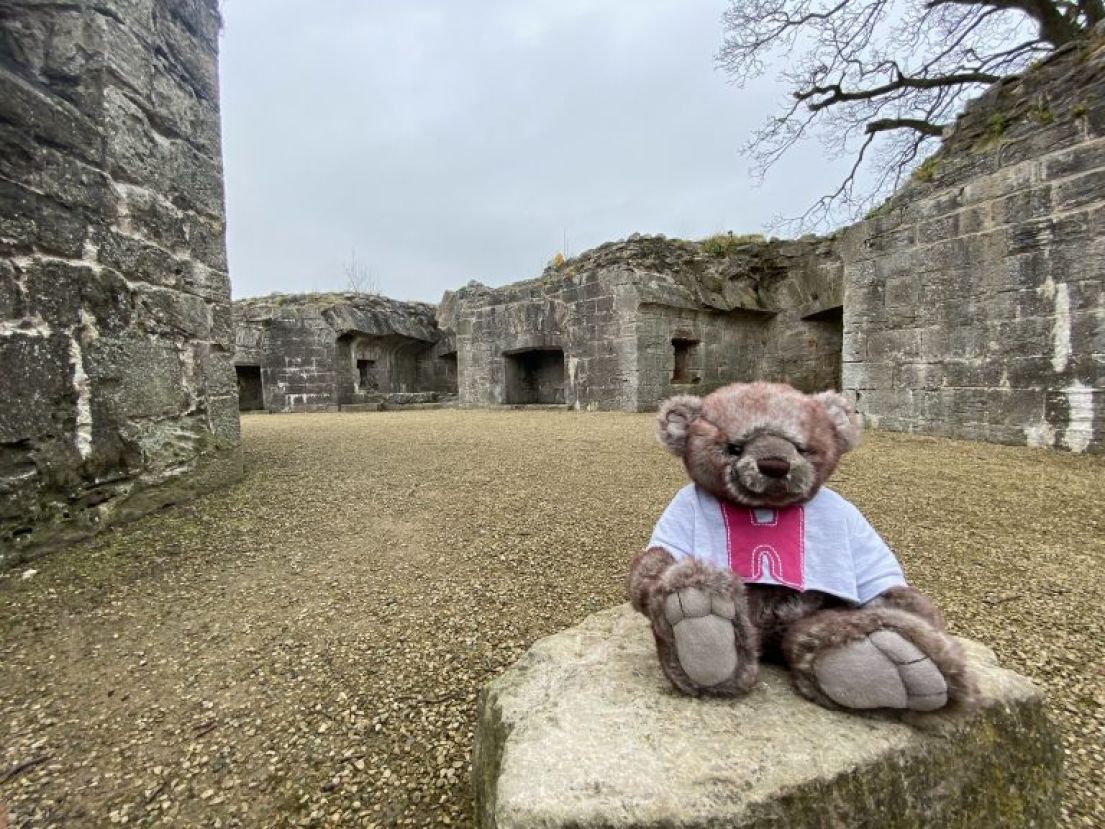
251 396
535 376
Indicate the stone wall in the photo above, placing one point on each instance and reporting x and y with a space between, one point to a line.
579 315
118 392
764 311
318 351
639 320
975 300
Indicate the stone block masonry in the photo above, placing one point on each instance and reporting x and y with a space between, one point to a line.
629 323
316 352
118 393
975 301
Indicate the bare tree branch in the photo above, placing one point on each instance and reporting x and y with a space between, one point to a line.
359 278
924 127
835 94
1055 27
879 80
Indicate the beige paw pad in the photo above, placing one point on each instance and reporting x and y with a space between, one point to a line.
883 670
705 642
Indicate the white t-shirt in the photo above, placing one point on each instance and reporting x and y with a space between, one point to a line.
825 544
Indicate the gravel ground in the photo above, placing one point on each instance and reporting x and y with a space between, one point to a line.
306 647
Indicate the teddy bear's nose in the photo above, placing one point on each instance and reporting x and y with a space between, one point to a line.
773 467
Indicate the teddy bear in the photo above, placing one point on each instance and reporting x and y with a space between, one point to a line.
757 558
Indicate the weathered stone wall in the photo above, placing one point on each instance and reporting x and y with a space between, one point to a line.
317 351
765 311
581 314
648 317
118 393
975 301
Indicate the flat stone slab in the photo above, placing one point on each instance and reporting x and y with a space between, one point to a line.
584 731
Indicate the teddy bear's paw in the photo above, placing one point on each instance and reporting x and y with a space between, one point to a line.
705 641
882 670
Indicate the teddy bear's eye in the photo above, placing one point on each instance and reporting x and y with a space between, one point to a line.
803 450
734 448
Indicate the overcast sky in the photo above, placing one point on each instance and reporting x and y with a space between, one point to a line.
446 141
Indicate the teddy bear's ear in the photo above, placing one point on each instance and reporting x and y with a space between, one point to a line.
673 423
844 417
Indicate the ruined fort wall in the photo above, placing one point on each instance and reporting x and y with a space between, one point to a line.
308 347
975 300
118 391
585 316
767 310
647 317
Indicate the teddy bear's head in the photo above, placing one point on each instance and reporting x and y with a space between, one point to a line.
759 444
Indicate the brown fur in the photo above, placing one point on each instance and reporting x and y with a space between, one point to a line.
827 629
774 609
767 444
644 571
692 573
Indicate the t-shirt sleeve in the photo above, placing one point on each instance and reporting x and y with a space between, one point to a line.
877 569
675 530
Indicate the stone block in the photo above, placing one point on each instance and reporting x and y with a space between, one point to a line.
151 217
59 291
12 305
1023 205
207 243
222 421
584 731
1080 191
189 33
30 221
173 313
48 119
214 372
1082 158
38 395
194 180
137 260
68 181
134 377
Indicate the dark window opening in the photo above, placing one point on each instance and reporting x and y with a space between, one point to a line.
250 393
364 374
686 355
535 376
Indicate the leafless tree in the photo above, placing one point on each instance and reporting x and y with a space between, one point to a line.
359 278
878 81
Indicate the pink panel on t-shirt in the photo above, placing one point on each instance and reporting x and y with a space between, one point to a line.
760 540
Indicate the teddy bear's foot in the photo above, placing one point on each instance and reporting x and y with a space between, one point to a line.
881 670
877 657
705 642
704 638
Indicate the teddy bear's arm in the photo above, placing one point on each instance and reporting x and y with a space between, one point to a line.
875 566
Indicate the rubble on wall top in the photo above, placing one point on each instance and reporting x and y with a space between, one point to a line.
347 312
725 272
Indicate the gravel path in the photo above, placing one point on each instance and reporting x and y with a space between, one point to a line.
306 648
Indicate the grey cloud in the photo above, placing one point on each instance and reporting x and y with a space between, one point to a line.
456 141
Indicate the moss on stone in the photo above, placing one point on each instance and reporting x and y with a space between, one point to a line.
1041 115
926 171
721 245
